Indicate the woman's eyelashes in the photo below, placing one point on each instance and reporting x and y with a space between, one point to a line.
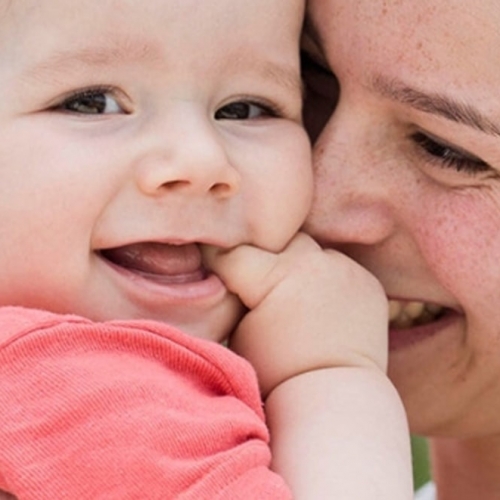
92 101
448 156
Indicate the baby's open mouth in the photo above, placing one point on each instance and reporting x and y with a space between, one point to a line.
160 262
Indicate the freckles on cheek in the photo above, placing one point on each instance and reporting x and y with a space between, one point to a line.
462 246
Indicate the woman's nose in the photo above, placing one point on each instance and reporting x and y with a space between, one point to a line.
353 198
191 158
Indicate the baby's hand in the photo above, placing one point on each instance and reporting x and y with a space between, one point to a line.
309 309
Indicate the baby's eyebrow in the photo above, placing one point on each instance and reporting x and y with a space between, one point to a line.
437 104
145 52
283 74
123 51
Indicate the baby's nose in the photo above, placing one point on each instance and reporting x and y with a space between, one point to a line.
192 159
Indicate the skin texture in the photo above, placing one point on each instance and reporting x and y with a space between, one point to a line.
423 215
157 163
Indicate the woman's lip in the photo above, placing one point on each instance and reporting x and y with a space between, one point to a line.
402 338
200 286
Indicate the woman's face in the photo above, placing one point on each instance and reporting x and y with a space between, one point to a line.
408 184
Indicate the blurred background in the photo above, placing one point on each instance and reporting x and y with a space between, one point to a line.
420 461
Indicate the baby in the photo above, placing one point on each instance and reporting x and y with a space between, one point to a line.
154 175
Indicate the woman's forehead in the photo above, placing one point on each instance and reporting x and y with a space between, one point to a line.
455 20
449 38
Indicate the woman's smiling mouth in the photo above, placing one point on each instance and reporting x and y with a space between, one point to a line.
411 322
404 314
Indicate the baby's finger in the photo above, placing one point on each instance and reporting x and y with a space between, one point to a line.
249 272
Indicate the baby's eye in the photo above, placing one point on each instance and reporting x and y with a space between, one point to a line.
91 102
244 110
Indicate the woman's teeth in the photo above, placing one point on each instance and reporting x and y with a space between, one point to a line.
408 314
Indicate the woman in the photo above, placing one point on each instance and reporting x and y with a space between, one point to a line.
408 184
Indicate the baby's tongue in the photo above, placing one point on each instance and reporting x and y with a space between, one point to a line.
158 259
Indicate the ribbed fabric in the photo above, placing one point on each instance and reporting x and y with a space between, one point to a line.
127 410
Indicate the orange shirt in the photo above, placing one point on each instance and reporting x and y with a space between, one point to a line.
127 410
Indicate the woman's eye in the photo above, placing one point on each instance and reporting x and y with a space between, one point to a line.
91 102
243 110
448 156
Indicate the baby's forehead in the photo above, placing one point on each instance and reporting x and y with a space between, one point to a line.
190 18
102 31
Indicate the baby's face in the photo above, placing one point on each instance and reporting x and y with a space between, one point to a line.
131 133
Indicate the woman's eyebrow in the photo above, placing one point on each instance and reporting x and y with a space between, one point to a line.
436 104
